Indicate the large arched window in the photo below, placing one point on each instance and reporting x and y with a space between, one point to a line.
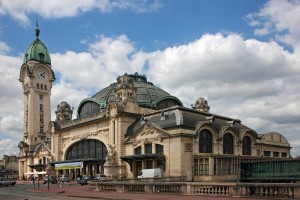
228 144
246 145
87 149
205 142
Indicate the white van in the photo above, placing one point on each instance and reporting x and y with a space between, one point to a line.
151 173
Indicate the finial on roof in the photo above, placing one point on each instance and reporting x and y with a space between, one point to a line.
37 30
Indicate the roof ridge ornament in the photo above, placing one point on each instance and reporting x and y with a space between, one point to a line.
37 30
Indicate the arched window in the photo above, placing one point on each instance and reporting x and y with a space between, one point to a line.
89 108
87 149
246 145
205 142
228 144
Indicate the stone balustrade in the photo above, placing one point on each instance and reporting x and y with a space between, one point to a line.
230 189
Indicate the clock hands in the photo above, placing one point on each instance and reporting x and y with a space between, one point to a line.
41 75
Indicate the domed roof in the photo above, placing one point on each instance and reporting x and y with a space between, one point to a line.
37 51
147 95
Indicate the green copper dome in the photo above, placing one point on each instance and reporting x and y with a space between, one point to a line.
147 96
37 51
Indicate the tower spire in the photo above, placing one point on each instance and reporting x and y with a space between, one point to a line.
37 30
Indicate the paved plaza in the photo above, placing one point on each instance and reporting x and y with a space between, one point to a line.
75 190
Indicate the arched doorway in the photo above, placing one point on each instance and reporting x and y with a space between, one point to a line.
85 157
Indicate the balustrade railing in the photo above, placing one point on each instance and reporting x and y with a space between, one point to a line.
260 190
269 190
218 190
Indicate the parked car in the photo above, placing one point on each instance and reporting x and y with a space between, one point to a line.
51 179
100 177
7 182
84 180
65 178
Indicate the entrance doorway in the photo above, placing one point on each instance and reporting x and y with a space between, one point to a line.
138 167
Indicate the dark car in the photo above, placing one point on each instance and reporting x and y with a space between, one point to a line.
51 179
7 182
84 180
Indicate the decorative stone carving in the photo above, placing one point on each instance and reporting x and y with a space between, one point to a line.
111 110
64 112
125 89
111 157
101 134
201 105
188 147
146 136
43 152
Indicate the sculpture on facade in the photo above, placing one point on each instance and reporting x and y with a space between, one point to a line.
64 112
201 105
111 157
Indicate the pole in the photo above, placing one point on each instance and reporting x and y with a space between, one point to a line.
48 182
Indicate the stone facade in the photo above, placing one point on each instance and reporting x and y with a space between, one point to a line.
132 125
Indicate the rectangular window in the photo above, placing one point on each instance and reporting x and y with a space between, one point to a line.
148 148
41 97
159 148
226 166
283 154
201 166
41 119
41 108
149 164
275 154
267 153
41 129
138 150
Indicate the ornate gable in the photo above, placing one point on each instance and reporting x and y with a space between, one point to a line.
44 151
148 133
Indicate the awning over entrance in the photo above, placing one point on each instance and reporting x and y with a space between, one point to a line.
76 163
38 167
131 158
70 165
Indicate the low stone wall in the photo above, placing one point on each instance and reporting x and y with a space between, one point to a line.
230 189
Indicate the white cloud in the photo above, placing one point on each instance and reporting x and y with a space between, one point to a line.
69 8
280 18
8 147
246 79
4 48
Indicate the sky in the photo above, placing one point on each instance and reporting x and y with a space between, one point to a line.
243 56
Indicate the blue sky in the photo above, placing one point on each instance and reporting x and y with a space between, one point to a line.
241 55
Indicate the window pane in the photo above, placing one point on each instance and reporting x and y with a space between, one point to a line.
246 145
205 142
228 144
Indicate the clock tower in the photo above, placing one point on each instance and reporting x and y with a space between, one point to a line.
36 76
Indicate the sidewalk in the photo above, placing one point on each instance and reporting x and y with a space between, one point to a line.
76 190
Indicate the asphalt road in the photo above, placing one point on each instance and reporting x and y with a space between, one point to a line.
27 191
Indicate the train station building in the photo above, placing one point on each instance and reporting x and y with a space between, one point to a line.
131 125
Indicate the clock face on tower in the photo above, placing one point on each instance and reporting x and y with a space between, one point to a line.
41 74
